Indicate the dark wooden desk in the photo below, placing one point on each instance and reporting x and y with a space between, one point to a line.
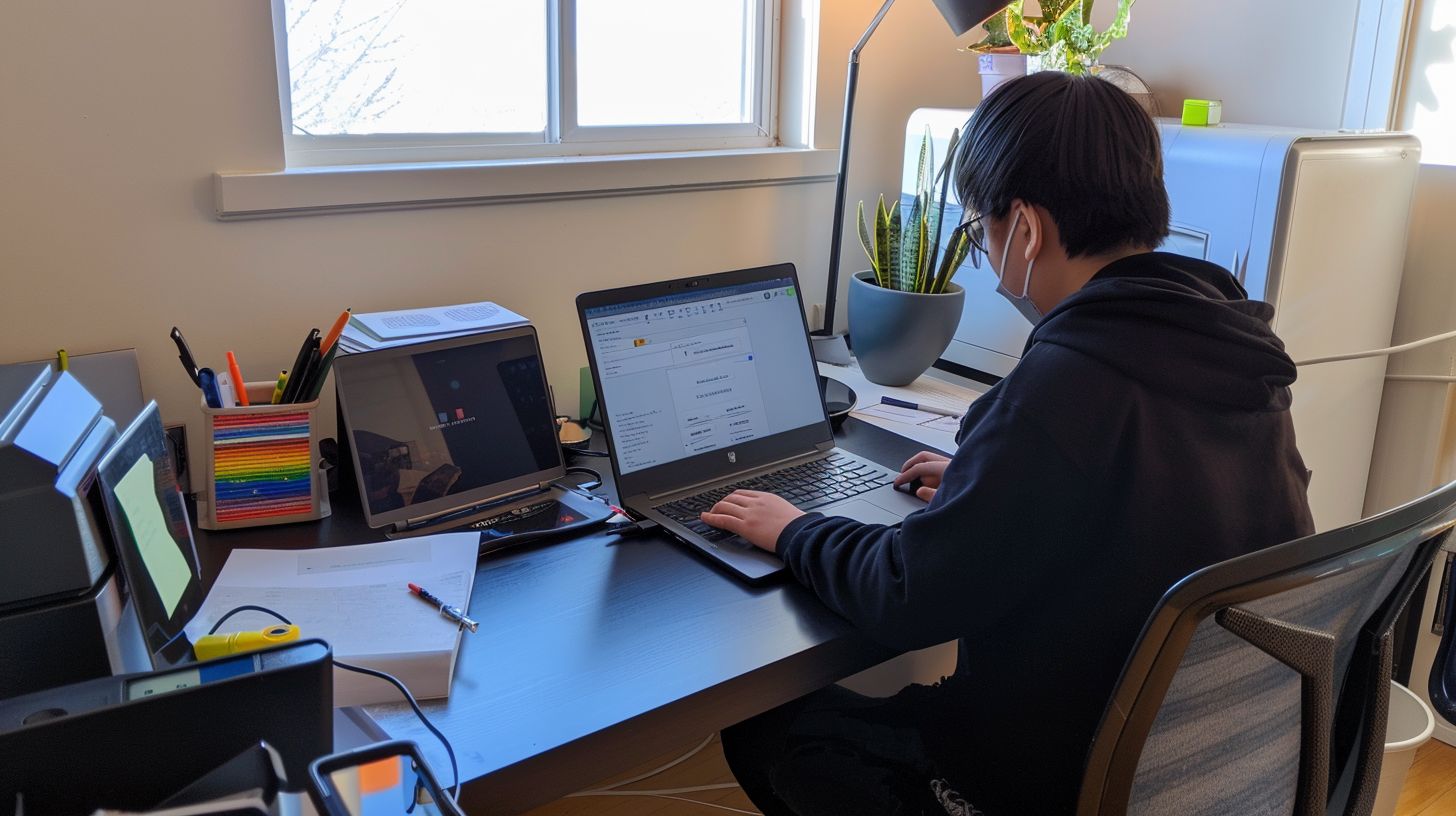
595 655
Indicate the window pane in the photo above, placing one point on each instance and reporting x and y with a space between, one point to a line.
417 66
1430 81
664 62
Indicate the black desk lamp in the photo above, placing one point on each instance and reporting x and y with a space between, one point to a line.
962 15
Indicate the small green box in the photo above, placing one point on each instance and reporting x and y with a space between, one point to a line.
1202 112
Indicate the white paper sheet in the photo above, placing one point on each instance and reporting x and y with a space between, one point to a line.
357 598
932 430
435 320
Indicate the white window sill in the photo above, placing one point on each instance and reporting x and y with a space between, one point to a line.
355 188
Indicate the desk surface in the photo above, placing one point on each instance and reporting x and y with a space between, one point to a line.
594 655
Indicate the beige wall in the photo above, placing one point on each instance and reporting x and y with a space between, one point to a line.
116 115
1272 63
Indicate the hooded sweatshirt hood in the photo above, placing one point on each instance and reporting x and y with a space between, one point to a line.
1222 349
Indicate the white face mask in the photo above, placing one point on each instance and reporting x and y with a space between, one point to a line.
1022 302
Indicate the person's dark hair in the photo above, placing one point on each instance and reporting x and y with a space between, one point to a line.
1078 146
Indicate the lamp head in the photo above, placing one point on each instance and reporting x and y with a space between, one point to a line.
964 15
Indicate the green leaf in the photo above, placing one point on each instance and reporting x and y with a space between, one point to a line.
1118 29
1021 33
865 241
909 246
882 243
892 270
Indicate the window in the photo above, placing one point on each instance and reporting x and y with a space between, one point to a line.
375 81
1428 89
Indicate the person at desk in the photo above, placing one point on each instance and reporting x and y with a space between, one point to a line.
1145 434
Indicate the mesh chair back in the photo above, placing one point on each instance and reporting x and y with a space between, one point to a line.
1260 685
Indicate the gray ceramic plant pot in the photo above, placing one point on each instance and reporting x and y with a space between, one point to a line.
897 335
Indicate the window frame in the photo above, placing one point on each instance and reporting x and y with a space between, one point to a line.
562 136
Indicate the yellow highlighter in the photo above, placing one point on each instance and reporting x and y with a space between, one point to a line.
210 646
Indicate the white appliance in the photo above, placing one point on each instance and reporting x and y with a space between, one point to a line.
1313 222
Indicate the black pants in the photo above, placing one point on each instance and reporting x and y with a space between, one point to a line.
839 753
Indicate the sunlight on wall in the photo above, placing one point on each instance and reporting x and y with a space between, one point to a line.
1428 107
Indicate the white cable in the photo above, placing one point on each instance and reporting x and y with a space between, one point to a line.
1379 352
1435 378
659 792
654 772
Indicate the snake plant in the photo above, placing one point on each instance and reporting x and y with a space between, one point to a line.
904 248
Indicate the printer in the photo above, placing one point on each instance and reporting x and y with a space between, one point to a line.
61 605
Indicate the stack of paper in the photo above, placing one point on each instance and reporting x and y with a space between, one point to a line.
927 428
357 598
378 330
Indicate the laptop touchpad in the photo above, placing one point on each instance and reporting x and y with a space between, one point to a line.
861 510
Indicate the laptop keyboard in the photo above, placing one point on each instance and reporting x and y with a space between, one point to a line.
807 486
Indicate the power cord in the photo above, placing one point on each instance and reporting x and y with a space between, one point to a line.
454 794
614 789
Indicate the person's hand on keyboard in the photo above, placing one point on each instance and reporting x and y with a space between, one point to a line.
757 517
925 467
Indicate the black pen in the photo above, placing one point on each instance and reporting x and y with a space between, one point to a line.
185 355
296 374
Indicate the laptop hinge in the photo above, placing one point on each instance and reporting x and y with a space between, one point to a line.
434 518
740 474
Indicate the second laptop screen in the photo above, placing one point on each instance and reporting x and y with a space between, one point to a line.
687 374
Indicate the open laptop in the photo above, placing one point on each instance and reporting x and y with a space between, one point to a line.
459 434
707 385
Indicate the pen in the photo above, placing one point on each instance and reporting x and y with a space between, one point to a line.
238 382
63 360
929 409
333 336
278 389
189 364
304 376
320 374
451 612
208 382
297 371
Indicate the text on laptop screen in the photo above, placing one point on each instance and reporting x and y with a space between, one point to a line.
448 421
691 373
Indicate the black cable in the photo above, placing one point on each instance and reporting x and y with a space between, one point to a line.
247 608
414 704
586 471
410 698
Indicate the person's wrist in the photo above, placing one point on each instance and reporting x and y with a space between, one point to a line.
786 535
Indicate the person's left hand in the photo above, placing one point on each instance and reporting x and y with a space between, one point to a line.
757 517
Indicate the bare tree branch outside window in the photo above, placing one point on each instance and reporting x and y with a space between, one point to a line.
341 67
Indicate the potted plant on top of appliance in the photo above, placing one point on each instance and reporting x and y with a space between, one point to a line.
1061 38
904 309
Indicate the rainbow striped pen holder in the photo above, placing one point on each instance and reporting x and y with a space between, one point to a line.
258 464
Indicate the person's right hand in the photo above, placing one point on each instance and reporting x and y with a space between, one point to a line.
927 467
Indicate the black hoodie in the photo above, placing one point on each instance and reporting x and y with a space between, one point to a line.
1144 435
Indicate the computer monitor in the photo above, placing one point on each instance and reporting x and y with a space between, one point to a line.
153 537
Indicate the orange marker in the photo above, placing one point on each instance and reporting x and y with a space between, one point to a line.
239 385
333 336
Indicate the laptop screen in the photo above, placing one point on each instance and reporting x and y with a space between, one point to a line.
447 424
689 373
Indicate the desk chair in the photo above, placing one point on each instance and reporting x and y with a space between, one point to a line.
1261 685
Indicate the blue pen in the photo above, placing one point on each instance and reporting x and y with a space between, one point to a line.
208 380
929 409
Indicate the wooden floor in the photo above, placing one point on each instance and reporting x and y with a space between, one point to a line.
1430 789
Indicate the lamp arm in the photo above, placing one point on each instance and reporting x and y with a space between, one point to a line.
837 232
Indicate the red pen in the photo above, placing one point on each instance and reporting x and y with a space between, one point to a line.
451 612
